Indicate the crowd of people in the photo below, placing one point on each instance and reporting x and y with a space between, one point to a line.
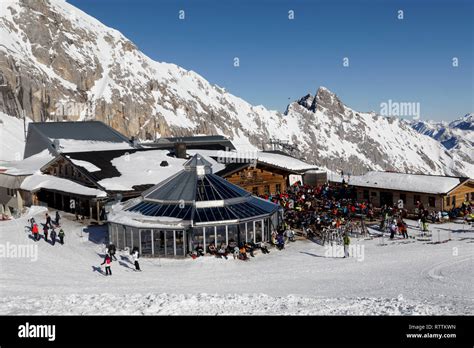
238 251
49 230
309 207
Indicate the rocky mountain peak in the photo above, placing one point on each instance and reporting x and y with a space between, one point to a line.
327 100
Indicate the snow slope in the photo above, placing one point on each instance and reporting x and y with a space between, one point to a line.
12 138
407 277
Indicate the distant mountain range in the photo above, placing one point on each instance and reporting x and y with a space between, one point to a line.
56 60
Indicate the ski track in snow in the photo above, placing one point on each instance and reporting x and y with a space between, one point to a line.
403 277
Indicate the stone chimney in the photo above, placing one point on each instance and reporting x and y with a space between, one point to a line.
180 150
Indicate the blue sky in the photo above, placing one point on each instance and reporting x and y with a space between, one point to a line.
407 60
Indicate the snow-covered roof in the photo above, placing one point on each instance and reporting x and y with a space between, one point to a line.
29 165
406 182
36 182
284 161
271 158
73 137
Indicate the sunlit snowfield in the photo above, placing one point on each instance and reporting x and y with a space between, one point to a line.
401 277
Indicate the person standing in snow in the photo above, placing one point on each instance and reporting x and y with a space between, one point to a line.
45 232
107 262
136 257
347 241
61 236
393 229
35 232
32 223
48 220
57 218
111 251
53 237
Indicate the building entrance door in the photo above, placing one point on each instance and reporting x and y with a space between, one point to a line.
386 198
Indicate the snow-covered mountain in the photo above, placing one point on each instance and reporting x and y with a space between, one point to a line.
457 136
56 60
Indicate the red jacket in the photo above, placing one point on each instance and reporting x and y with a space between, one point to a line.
35 229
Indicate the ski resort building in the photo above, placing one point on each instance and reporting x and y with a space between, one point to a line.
266 172
69 137
192 207
435 192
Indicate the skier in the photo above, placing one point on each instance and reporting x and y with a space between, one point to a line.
45 232
57 218
393 229
48 220
53 237
136 257
32 222
111 251
107 262
35 231
347 241
61 236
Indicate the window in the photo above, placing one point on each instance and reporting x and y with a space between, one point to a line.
135 238
242 232
365 194
120 236
416 199
432 201
159 243
169 243
250 232
278 188
373 194
447 200
233 233
403 197
453 201
258 231
198 237
146 241
255 190
210 236
221 234
179 237
472 196
267 189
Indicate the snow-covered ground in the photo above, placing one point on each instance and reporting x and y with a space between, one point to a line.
401 277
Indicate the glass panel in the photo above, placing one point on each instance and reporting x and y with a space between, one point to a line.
121 237
146 242
250 232
242 237
135 238
258 231
128 238
112 234
210 236
158 249
220 235
233 233
266 234
197 238
169 243
179 243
